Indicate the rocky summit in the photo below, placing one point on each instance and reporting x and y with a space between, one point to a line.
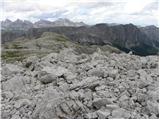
69 85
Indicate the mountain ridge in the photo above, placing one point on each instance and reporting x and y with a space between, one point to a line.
25 24
126 37
8 24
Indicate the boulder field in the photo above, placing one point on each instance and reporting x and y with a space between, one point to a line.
68 85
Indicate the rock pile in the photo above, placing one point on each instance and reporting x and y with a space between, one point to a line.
67 85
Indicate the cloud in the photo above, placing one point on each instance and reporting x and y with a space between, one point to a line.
142 12
50 15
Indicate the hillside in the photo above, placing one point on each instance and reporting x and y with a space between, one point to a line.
48 42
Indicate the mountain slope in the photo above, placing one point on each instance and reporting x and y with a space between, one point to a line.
141 41
48 42
152 32
125 37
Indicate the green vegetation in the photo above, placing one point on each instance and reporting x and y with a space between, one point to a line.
84 49
11 56
20 55
109 49
16 46
89 49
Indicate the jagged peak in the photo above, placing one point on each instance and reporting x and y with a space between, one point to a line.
18 20
43 20
8 20
62 19
151 26
27 21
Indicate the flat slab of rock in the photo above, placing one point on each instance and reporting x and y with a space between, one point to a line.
48 78
120 113
89 82
99 102
103 113
55 70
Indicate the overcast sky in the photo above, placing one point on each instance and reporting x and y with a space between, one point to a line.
140 12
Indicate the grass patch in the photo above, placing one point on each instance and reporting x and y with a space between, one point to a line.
11 56
17 46
20 55
61 38
84 49
109 49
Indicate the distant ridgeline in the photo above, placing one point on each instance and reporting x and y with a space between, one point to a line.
139 40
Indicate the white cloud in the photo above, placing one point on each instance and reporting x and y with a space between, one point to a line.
90 11
136 5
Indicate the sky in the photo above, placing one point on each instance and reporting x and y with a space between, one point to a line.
139 12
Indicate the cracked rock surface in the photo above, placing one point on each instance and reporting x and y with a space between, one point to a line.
67 85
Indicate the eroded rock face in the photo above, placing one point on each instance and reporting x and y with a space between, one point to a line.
93 86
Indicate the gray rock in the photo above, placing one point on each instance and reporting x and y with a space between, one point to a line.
103 113
22 102
112 107
99 88
67 56
153 107
15 84
92 115
96 72
7 95
55 70
30 61
11 69
153 116
69 76
99 102
123 97
48 78
120 113
113 73
89 82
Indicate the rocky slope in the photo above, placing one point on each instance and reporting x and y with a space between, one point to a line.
71 85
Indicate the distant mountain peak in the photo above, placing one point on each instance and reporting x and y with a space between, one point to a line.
151 26
43 20
18 21
62 19
7 20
